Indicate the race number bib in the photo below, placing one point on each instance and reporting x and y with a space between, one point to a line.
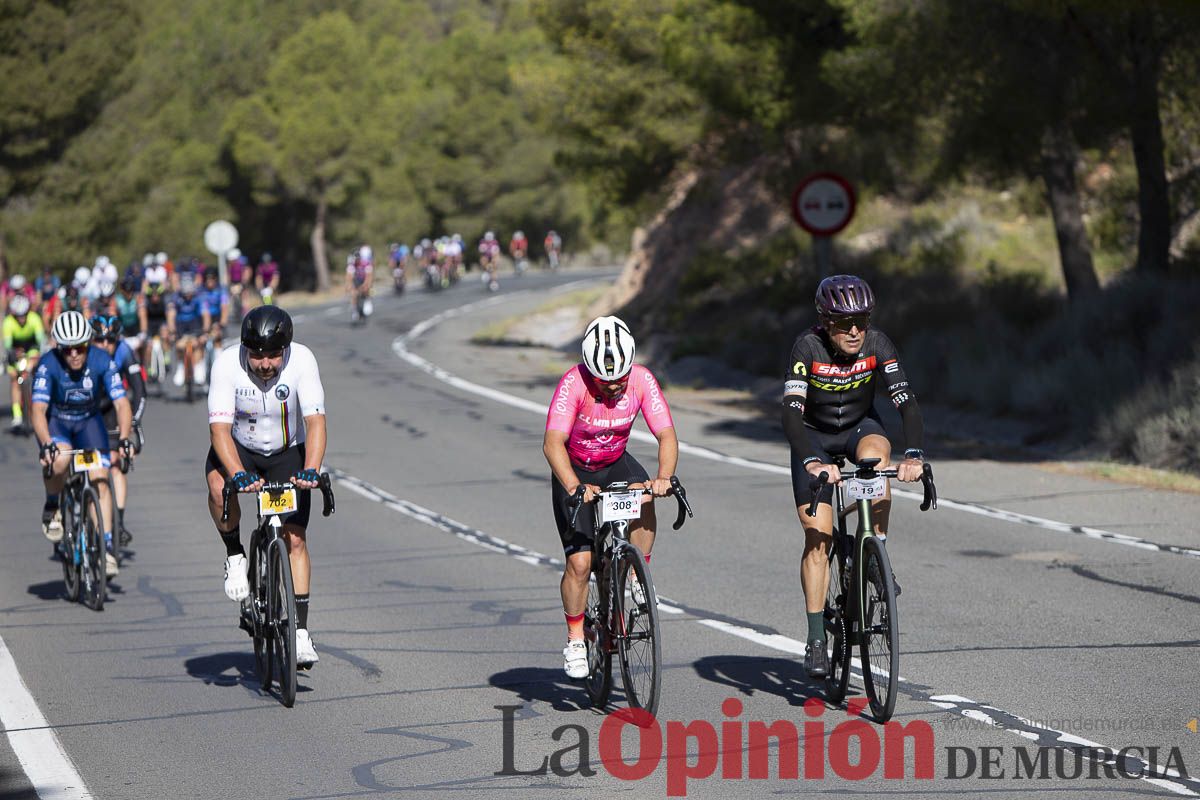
275 503
620 505
85 460
872 489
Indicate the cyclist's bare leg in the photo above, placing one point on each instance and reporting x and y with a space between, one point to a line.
573 585
814 566
118 478
641 531
216 484
58 475
875 446
298 556
100 481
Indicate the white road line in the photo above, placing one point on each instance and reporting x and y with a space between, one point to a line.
41 754
989 715
400 346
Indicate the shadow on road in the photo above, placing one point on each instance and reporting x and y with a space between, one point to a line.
224 669
50 590
783 677
545 685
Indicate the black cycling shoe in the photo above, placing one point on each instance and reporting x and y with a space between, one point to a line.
816 660
873 576
124 536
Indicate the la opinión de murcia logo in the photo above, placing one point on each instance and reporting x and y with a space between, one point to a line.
853 749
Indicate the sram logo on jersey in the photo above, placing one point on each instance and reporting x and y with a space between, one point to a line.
833 370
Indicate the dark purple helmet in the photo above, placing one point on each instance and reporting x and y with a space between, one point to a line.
839 295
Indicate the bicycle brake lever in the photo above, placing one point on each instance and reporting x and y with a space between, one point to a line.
930 500
814 485
326 494
681 498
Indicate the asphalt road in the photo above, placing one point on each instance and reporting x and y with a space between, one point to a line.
435 601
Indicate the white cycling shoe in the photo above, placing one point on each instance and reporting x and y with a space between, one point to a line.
306 654
237 585
178 379
575 661
111 568
52 529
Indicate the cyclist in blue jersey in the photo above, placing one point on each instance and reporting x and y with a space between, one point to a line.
187 321
70 383
107 332
216 301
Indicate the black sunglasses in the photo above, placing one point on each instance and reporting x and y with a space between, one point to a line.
846 324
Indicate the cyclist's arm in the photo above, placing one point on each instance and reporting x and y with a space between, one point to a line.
206 318
315 437
38 413
554 447
668 459
171 318
137 390
124 417
143 318
10 329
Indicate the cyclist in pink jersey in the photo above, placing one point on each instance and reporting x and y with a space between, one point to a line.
587 429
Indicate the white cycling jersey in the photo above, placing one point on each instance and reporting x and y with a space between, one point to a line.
267 417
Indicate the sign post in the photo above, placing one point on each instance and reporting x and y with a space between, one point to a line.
823 204
220 237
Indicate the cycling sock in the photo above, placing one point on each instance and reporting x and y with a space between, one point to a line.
17 414
108 540
816 625
302 611
574 626
233 542
120 517
51 503
647 557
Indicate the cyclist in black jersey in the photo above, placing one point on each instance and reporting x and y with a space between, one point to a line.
828 410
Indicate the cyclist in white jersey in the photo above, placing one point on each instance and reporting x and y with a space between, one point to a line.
266 419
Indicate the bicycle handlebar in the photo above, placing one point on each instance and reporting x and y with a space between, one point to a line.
323 483
676 490
930 490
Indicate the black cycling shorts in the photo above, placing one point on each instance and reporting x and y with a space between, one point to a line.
278 468
626 468
829 445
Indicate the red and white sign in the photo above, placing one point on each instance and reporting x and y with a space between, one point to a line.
823 203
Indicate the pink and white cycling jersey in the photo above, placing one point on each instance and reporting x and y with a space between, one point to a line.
598 427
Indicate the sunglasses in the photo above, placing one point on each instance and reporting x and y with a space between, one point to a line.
106 339
846 324
74 349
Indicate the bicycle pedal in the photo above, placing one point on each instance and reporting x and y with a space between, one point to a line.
303 667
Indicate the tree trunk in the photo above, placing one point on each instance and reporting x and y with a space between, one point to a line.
1060 153
1145 128
317 240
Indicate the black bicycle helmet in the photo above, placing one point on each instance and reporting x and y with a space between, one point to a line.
266 328
840 295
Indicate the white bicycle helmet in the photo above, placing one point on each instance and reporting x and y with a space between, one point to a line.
365 253
160 258
82 276
19 305
17 282
107 289
71 328
608 348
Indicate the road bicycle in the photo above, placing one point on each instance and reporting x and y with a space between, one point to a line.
622 607
82 547
268 614
860 604
23 365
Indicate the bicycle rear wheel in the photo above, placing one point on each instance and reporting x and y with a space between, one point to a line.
837 642
599 641
880 640
67 548
637 631
260 584
283 619
95 582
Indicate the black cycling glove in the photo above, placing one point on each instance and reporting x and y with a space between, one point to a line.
309 475
244 480
49 448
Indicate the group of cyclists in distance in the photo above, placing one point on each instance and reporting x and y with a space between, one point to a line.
440 261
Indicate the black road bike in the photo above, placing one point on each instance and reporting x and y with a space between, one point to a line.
860 604
622 608
269 613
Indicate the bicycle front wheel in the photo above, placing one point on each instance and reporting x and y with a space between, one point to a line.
637 631
68 548
94 578
599 641
837 643
260 584
283 621
880 640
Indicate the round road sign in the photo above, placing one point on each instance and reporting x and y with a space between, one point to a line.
823 203
220 237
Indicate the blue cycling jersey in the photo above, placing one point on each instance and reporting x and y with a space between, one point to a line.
187 309
76 396
214 300
123 357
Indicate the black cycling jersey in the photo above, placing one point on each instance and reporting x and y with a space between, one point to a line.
832 393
